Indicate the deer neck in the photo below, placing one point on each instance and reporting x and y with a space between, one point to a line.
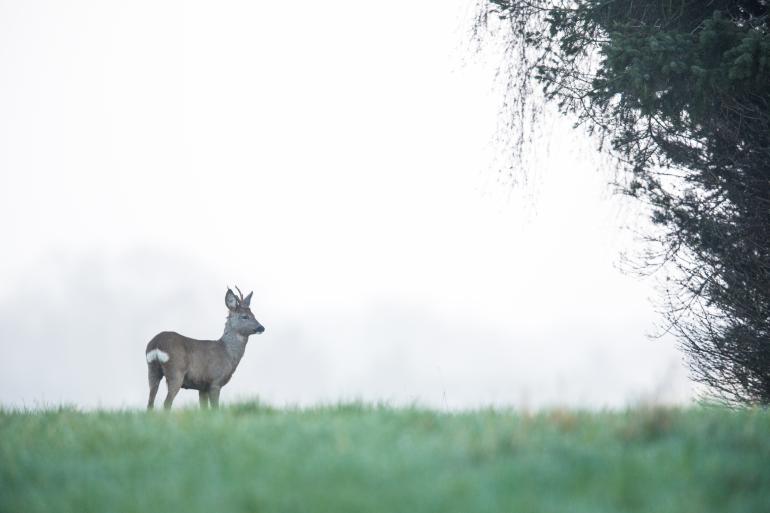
235 344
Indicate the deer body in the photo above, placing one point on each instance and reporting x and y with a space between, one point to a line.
203 365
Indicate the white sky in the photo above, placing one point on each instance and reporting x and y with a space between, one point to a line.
335 158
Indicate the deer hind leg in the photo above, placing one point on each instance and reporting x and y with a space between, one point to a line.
154 375
173 384
203 398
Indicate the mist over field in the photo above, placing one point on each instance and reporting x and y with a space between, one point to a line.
76 333
149 161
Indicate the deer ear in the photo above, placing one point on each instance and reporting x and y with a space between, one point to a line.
247 299
231 300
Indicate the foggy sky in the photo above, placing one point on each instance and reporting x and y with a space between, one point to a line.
334 158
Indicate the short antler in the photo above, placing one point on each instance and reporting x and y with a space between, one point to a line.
239 293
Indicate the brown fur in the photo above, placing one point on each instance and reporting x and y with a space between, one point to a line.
203 365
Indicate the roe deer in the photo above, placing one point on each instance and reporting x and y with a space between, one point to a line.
203 365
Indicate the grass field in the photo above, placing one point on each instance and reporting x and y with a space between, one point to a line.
354 458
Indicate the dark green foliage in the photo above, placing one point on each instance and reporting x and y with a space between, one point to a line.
377 459
681 91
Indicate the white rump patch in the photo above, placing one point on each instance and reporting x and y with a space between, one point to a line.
157 354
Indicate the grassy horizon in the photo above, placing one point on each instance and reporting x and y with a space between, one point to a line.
368 458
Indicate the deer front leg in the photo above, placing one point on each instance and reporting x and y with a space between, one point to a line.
173 383
203 398
214 396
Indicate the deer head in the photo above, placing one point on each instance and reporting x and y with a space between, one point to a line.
240 320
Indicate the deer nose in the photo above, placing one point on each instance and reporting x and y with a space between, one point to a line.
260 329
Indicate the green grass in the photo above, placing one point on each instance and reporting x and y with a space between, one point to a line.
249 458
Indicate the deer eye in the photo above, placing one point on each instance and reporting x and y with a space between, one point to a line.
244 316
